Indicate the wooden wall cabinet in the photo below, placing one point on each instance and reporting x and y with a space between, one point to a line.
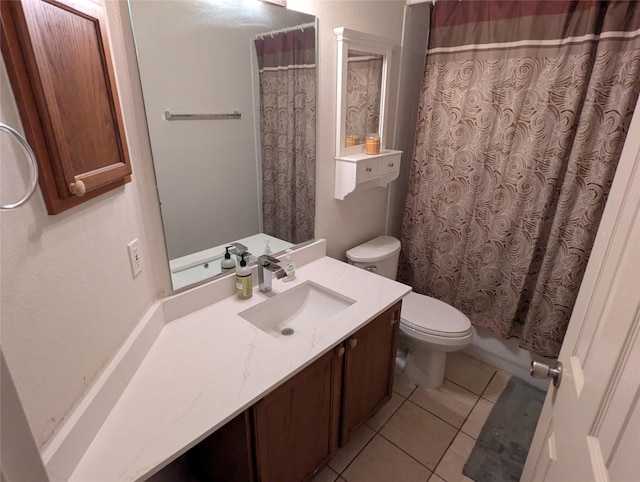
59 64
298 427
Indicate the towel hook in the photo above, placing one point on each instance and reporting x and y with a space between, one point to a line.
33 168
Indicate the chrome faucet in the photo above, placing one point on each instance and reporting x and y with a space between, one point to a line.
267 268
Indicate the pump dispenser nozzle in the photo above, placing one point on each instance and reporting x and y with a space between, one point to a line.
228 263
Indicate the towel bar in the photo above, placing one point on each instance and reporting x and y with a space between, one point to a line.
33 168
171 117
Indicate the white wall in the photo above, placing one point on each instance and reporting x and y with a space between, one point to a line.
68 299
360 216
414 47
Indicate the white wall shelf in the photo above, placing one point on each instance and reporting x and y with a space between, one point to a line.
358 172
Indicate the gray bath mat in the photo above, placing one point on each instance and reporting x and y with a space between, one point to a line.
503 444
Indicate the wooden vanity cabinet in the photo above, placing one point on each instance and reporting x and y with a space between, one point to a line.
299 426
368 370
296 426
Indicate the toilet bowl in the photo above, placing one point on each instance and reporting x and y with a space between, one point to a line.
429 328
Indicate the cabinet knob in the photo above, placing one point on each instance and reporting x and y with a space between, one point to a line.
368 169
390 164
78 188
341 351
353 342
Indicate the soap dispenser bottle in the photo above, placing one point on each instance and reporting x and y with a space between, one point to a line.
228 263
244 282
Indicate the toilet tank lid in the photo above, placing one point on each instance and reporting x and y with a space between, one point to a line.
374 250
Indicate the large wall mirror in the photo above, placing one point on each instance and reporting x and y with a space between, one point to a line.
363 76
230 92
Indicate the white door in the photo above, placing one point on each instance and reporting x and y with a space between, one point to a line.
589 428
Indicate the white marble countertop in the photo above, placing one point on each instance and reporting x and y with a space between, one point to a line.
208 366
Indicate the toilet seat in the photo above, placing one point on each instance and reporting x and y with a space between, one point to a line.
430 316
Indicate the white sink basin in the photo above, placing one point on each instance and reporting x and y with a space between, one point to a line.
298 310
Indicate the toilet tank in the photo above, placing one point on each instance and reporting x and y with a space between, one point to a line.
379 255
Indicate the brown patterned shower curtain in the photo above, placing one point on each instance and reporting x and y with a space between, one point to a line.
286 63
524 110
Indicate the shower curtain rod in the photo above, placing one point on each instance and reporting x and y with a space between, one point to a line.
286 29
415 2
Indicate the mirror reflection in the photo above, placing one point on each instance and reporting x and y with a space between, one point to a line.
229 91
364 90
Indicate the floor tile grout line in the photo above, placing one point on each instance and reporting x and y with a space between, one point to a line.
375 432
470 391
394 412
475 404
459 429
480 397
358 453
408 454
433 471
445 453
490 380
465 420
406 399
410 393
485 389
438 416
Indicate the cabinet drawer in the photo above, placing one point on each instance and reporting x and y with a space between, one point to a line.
367 169
387 165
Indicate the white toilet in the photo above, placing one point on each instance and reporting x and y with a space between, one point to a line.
430 328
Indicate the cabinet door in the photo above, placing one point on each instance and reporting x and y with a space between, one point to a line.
58 60
369 369
296 426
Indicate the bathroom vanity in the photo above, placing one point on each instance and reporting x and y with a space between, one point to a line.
294 430
194 364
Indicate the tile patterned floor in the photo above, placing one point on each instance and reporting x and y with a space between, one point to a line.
422 435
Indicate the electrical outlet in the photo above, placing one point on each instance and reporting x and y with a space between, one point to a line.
134 257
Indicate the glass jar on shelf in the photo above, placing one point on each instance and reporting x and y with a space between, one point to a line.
372 144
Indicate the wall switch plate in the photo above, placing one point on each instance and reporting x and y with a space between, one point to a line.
134 257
